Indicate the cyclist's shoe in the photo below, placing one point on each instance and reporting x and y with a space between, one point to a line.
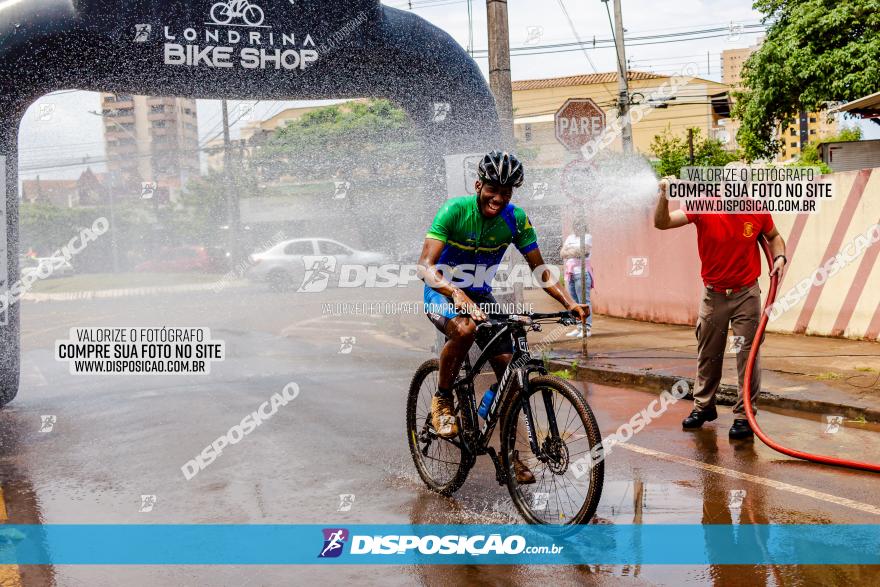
697 417
443 416
521 471
741 430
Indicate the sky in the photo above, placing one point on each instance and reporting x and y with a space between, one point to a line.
58 128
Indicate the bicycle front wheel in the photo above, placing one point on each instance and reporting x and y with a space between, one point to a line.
567 484
443 464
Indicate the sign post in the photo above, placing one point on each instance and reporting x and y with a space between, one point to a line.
578 122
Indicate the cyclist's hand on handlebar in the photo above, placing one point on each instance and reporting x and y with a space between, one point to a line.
467 306
580 311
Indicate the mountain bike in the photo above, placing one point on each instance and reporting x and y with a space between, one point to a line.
224 12
545 422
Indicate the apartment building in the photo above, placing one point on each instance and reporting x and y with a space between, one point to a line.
808 127
150 139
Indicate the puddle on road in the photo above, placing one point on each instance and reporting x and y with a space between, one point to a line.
832 434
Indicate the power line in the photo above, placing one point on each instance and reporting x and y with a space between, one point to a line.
577 36
630 39
523 53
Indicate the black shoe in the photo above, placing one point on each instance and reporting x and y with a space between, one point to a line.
697 417
740 430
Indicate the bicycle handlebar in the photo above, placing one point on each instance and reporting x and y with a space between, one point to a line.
565 317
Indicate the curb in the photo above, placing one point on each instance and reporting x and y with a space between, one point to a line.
726 396
127 292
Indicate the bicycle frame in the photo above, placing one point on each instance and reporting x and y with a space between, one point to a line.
515 375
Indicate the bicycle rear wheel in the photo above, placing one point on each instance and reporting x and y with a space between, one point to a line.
442 464
566 491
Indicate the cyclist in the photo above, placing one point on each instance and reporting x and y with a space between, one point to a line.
474 231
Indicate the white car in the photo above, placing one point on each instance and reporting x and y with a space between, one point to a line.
47 266
283 265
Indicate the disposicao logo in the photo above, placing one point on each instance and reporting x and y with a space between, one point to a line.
334 541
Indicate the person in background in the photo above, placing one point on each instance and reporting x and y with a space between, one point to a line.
572 254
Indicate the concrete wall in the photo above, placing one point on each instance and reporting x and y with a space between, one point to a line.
669 289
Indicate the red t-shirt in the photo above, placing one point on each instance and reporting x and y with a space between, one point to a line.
728 249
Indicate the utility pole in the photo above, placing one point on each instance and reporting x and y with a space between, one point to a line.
499 67
622 81
114 250
691 146
470 9
231 192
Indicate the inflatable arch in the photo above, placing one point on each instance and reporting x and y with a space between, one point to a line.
236 49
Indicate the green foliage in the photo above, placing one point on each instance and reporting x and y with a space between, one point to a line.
204 209
367 143
348 140
45 228
673 153
845 135
815 51
810 158
567 374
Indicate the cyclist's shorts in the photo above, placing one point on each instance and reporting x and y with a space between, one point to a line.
440 310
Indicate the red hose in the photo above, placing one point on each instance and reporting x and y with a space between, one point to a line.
747 385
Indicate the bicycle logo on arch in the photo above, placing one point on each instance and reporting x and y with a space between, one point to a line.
225 13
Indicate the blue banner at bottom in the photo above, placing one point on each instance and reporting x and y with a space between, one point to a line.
162 544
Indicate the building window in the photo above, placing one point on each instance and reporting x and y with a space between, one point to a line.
794 144
812 131
792 132
159 124
157 108
812 119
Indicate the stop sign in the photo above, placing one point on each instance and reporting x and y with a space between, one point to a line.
578 122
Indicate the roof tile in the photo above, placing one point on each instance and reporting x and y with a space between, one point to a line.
581 80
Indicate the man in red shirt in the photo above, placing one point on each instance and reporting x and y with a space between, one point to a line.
731 264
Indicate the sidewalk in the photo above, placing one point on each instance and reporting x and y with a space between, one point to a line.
832 376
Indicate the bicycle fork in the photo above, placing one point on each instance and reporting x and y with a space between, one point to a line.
526 406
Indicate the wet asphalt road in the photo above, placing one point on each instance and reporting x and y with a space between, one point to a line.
117 438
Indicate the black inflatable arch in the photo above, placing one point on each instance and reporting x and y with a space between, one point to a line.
237 49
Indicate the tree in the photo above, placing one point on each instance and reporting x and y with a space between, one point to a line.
673 153
366 139
815 51
204 209
371 144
